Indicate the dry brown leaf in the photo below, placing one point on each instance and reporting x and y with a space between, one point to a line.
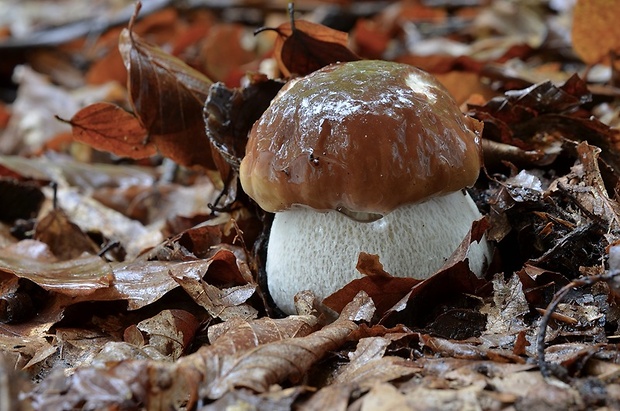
158 385
288 359
225 303
596 31
168 97
108 127
585 184
170 332
369 365
64 238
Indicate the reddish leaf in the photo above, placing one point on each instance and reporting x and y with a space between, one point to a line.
168 97
108 127
307 47
369 264
385 291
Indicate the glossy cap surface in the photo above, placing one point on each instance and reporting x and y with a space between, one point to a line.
365 136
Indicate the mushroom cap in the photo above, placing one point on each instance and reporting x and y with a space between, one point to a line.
365 136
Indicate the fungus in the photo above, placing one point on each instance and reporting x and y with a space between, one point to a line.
366 156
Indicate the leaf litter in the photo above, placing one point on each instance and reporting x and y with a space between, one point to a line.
126 284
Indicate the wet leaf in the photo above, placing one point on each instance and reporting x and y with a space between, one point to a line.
167 96
108 127
76 277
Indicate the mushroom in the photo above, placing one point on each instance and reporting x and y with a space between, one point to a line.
369 156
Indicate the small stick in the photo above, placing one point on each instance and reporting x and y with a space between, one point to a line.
543 365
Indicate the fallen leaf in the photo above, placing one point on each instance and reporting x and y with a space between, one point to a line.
108 127
230 113
167 96
595 29
288 359
170 332
305 47
80 276
65 239
369 264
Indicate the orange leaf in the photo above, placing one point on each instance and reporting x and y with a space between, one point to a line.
596 31
108 127
168 97
309 46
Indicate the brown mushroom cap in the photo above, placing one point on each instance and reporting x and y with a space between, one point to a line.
365 136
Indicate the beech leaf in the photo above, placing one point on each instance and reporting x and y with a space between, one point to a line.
65 239
108 127
167 96
307 47
289 359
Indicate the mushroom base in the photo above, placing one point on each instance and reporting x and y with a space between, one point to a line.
318 251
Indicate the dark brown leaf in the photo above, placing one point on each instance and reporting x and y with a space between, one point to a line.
65 239
309 46
167 96
230 113
288 359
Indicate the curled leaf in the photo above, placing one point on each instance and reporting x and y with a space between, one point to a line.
306 47
167 96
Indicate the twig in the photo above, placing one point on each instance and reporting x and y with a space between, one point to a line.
543 365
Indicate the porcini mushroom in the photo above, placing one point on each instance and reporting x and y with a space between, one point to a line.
366 156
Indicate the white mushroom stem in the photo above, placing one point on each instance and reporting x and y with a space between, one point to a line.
318 251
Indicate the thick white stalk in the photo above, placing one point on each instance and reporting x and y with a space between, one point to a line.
318 251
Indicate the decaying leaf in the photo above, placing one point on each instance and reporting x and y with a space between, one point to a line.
288 359
131 382
172 315
64 238
595 31
230 113
170 332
